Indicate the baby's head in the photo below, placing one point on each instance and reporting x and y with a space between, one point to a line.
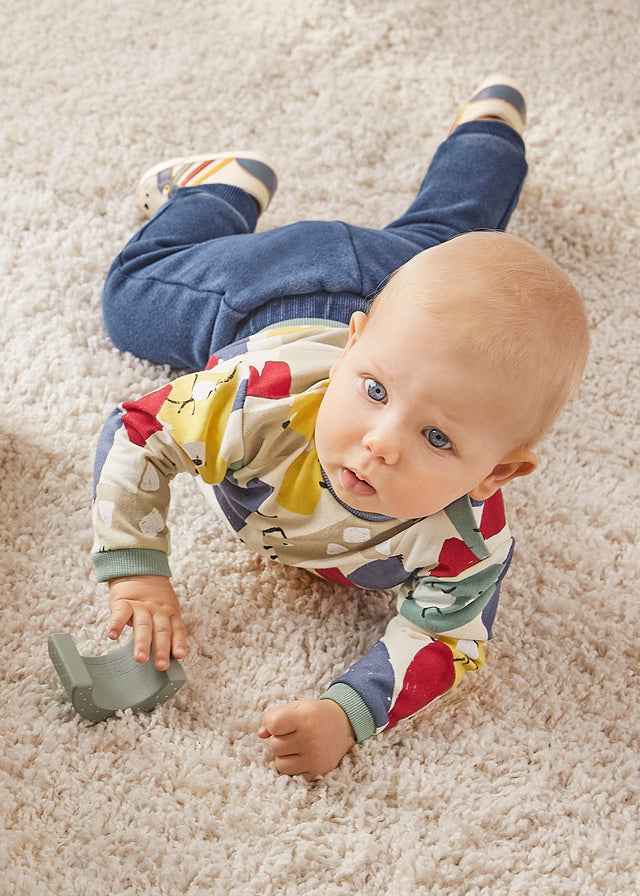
506 307
465 360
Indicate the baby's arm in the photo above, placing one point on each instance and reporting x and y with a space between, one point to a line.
150 605
402 673
408 668
135 464
307 737
310 737
437 636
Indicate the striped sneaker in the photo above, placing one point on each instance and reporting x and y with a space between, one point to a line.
251 171
497 97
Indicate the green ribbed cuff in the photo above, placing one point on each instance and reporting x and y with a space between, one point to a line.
356 709
130 562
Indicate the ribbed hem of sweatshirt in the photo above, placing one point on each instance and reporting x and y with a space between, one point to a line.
337 308
356 709
130 562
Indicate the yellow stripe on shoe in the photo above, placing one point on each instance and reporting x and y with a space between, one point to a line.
252 172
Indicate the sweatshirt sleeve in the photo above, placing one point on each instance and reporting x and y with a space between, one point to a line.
444 616
181 428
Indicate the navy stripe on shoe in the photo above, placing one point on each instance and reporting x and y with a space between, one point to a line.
503 92
260 171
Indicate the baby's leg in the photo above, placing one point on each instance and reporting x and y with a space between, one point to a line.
475 178
473 183
178 292
197 278
158 300
156 303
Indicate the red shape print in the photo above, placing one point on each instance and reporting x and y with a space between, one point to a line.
493 516
139 418
454 558
430 674
334 575
274 381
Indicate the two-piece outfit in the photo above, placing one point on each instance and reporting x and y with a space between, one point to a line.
260 319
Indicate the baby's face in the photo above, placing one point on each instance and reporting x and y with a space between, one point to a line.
405 428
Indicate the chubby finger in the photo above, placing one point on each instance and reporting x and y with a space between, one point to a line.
287 745
161 642
142 633
169 637
120 616
263 731
293 765
279 721
179 639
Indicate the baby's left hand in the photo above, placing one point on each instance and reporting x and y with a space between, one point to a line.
307 737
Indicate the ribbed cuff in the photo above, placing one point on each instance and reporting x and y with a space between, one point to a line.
356 709
130 562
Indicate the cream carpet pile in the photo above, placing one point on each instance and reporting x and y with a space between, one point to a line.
524 781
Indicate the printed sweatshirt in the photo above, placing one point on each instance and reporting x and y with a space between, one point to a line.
244 428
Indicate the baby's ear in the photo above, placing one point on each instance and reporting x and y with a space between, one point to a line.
356 326
518 463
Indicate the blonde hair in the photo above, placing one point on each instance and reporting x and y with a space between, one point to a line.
509 307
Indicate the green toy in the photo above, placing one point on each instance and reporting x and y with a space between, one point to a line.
98 686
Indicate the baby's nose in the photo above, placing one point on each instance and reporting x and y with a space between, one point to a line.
383 442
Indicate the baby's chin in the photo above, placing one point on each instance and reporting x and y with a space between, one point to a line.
355 493
362 497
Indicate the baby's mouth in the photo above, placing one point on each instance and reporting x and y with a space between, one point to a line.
352 483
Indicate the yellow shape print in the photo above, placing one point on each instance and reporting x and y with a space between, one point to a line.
301 490
304 411
198 409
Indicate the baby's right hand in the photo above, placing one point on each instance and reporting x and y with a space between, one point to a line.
150 605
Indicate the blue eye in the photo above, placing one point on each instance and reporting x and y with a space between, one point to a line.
437 439
375 390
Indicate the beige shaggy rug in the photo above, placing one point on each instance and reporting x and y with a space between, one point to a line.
524 781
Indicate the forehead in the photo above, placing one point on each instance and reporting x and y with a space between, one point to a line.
431 305
423 361
403 342
400 317
421 290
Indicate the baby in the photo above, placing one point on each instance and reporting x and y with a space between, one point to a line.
371 454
